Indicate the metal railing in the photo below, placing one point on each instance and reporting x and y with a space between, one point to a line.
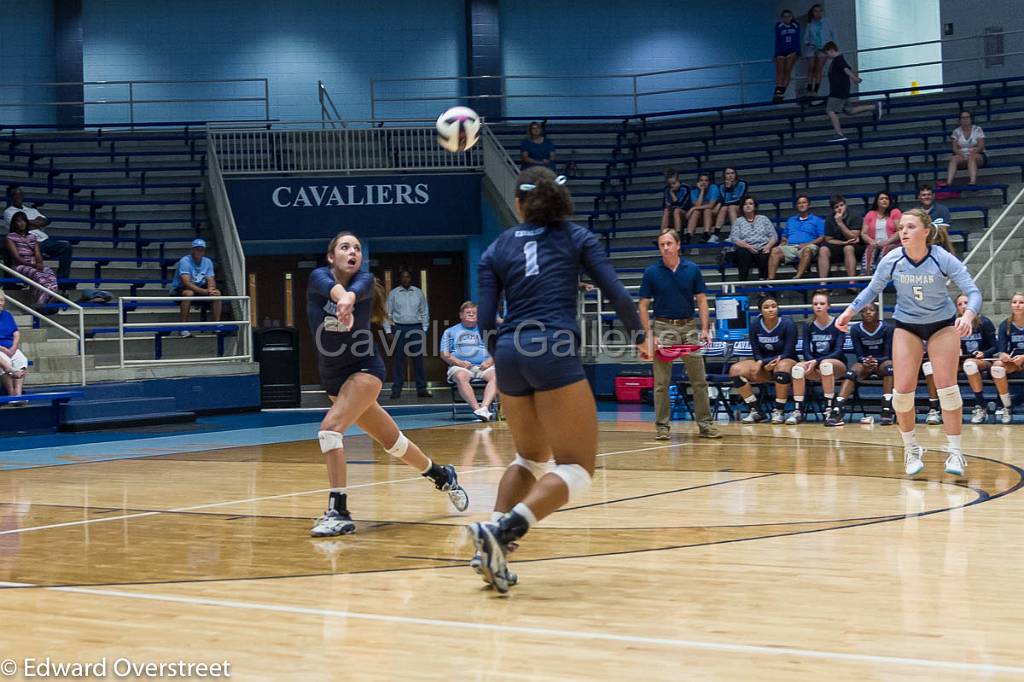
80 336
596 339
222 219
637 88
329 115
116 96
499 167
988 240
244 326
306 147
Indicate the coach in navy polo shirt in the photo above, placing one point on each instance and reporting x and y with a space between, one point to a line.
677 288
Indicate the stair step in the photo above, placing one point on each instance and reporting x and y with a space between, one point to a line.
146 419
116 408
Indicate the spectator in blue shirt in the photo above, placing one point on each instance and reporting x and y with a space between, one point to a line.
13 363
194 277
801 237
731 191
704 200
537 149
465 351
787 50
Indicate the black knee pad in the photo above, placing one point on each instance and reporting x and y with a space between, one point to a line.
851 376
887 371
739 382
783 378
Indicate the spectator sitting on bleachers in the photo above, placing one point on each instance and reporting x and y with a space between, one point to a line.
23 250
464 350
731 191
773 347
787 50
840 73
880 230
842 239
13 364
823 353
817 33
968 149
801 238
941 217
194 277
704 201
50 248
536 149
754 237
675 202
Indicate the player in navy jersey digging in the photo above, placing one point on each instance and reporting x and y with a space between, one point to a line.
924 312
546 397
872 346
340 302
773 347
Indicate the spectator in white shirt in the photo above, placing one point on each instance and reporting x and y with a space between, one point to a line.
968 149
51 248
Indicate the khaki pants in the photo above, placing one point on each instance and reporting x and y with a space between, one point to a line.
675 335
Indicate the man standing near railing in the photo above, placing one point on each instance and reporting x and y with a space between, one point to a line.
677 288
407 310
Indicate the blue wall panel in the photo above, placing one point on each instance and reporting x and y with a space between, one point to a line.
609 37
26 56
344 43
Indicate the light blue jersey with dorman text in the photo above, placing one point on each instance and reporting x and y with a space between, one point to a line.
922 296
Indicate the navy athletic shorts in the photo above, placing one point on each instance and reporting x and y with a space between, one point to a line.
924 331
333 377
540 361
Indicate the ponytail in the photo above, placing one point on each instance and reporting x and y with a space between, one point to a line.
543 198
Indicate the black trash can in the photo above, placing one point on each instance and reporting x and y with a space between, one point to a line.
277 351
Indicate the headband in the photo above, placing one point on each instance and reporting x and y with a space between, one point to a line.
527 186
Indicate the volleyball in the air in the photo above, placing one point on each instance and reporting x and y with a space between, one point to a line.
458 129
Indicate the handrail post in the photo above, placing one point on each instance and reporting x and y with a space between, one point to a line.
81 342
120 329
131 105
636 104
266 99
743 84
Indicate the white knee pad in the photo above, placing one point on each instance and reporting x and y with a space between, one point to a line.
536 469
949 398
902 402
927 369
576 479
330 440
971 368
827 369
798 372
400 446
998 372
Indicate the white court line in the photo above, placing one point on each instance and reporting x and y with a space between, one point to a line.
228 503
749 649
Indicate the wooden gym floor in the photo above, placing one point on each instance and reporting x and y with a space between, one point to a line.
776 553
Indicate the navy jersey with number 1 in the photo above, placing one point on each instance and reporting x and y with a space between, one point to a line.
983 339
538 270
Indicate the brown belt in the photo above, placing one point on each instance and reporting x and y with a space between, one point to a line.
678 323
